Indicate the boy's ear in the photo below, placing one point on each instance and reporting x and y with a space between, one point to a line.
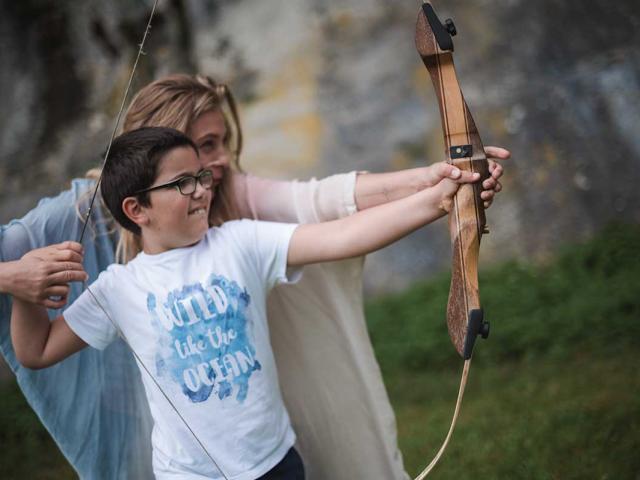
134 211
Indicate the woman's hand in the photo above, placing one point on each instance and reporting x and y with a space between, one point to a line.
42 275
441 170
491 185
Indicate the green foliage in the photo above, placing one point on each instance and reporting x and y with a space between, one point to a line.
553 392
27 450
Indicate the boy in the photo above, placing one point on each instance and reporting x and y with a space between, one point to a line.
192 306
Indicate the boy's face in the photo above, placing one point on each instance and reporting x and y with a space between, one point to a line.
176 220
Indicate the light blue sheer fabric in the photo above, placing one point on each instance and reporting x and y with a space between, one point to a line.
93 402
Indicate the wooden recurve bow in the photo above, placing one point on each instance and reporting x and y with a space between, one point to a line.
467 223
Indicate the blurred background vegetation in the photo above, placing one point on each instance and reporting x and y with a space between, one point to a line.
552 394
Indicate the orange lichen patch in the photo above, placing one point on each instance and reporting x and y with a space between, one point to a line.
495 122
551 159
399 161
308 125
284 128
342 19
295 78
550 155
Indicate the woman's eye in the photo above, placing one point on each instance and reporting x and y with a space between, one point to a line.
208 146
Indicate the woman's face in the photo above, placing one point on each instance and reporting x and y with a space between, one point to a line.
208 133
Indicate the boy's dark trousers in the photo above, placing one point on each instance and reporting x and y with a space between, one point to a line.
289 468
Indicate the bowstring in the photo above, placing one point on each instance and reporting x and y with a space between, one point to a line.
119 116
86 222
463 384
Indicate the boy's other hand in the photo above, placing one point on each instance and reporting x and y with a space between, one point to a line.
43 275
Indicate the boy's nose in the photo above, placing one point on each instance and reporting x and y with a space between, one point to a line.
200 190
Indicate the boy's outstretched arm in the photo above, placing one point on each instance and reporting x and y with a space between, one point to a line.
373 228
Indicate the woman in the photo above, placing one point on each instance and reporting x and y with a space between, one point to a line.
330 379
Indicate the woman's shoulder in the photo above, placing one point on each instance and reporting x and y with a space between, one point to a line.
78 188
54 218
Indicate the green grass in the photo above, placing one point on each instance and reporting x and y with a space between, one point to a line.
554 393
26 449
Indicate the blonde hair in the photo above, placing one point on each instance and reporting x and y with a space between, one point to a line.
176 101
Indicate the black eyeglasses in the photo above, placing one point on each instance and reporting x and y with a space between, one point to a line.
186 185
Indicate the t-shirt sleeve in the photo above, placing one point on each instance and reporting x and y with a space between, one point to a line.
90 319
269 245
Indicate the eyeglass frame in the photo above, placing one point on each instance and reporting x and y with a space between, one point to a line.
176 183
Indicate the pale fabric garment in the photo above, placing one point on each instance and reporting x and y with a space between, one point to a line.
330 379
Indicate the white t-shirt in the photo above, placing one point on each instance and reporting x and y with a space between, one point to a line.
196 319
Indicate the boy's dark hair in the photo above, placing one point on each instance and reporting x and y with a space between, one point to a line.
132 166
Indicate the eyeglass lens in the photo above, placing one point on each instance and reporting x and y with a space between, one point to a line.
187 185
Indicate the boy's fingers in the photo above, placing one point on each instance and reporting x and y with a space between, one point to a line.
447 171
466 177
442 170
489 183
487 195
54 304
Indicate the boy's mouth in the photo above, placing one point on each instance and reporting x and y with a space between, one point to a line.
198 211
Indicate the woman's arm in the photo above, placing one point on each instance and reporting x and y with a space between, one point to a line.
373 228
34 256
295 201
44 273
377 188
341 195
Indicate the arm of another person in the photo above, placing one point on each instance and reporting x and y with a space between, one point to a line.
373 228
377 188
338 196
31 276
44 273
